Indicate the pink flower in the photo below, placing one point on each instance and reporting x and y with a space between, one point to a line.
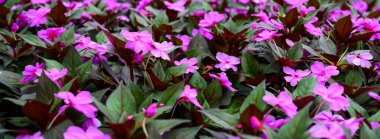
283 101
142 4
223 79
323 73
359 5
256 123
333 132
37 17
263 16
204 32
192 64
328 119
361 59
266 35
54 74
39 1
176 6
295 3
36 135
31 72
271 121
50 34
185 41
151 110
305 10
367 25
74 132
138 41
91 122
226 62
244 1
333 96
374 95
190 95
211 18
316 31
294 76
86 43
81 102
161 48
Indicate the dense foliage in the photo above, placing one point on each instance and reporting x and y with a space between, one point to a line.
163 69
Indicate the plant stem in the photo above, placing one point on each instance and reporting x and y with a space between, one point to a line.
144 128
315 111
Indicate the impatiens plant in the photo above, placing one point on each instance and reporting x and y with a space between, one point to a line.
169 69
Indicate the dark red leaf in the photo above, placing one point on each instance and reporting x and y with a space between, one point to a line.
343 29
302 102
57 13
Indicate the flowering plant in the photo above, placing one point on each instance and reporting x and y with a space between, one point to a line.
271 69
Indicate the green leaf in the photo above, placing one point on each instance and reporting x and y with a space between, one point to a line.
161 18
121 101
11 80
154 133
297 127
84 70
107 112
305 87
167 124
250 64
221 118
295 53
367 133
170 95
136 92
198 81
67 37
355 76
159 70
255 97
355 107
375 117
53 64
33 40
213 93
101 37
200 46
176 71
57 131
45 89
183 133
231 26
72 59
271 134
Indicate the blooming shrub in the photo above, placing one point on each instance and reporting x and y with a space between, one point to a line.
163 69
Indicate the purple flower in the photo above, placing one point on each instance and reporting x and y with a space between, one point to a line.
337 14
22 19
54 74
223 79
81 102
204 32
75 132
50 34
333 132
305 10
361 59
211 18
367 25
37 17
283 101
191 64
190 95
151 110
185 41
294 76
91 122
226 62
359 5
31 72
138 41
374 95
323 73
36 135
316 31
266 35
39 1
161 48
271 121
295 3
176 6
333 96
14 27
